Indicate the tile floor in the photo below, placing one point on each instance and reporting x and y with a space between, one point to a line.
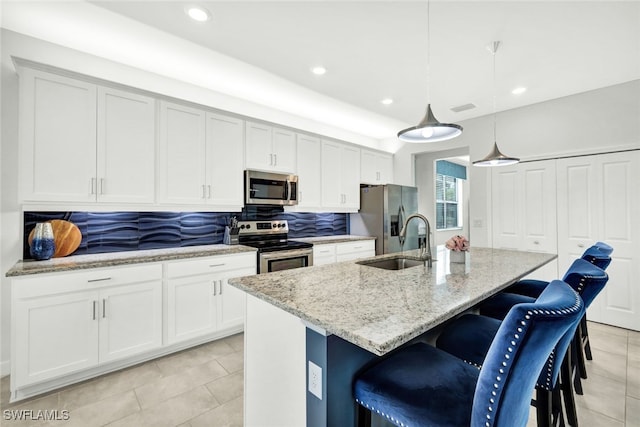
203 387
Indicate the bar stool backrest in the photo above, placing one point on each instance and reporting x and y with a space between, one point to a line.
524 341
597 257
586 279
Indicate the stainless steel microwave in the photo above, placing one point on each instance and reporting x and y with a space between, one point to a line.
267 188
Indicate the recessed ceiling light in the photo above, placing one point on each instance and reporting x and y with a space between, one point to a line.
387 101
319 70
519 90
198 13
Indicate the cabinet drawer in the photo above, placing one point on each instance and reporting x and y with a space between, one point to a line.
213 264
85 280
320 251
351 247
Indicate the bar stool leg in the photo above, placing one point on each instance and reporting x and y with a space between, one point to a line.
363 416
543 404
567 391
585 338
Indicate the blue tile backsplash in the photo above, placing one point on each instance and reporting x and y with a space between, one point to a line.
128 231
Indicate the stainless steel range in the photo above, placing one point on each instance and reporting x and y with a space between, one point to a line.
275 251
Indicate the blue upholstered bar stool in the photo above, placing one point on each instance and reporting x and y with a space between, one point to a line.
469 337
420 385
598 254
587 279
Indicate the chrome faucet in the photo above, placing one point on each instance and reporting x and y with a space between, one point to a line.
425 251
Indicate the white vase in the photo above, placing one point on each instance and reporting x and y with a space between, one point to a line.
458 257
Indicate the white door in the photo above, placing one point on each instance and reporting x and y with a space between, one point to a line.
539 210
225 155
130 320
369 167
284 150
126 147
191 307
505 211
182 155
258 147
598 199
55 335
385 169
309 171
57 138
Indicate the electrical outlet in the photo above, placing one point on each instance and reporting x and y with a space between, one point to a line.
315 380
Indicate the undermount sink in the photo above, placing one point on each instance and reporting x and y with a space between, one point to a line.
393 263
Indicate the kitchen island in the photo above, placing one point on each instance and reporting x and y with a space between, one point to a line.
308 331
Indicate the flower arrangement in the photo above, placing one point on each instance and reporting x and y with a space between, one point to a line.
457 243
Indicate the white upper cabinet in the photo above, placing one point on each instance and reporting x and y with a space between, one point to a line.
126 147
309 171
270 148
340 177
81 142
200 157
57 138
182 155
375 167
225 154
524 206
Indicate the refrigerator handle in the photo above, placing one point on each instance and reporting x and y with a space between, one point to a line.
401 215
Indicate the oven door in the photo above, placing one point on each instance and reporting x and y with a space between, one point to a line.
263 188
284 260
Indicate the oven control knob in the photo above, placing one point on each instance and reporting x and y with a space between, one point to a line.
242 227
274 225
281 225
248 226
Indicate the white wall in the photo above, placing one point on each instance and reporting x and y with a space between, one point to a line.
425 181
597 121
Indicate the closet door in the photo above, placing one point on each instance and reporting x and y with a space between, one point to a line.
598 199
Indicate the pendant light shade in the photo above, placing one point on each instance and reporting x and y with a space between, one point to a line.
495 157
430 130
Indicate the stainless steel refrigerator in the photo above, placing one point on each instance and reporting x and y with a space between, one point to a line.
383 209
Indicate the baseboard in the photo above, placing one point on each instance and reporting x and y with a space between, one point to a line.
5 368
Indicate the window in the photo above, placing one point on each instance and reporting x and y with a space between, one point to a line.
449 178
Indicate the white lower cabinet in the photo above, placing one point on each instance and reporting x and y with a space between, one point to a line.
65 322
338 252
199 299
70 326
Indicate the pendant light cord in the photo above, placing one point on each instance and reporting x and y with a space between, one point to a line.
428 53
494 49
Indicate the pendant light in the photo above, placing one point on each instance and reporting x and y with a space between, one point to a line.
429 129
495 157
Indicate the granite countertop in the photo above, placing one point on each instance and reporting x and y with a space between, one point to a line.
379 310
82 262
343 238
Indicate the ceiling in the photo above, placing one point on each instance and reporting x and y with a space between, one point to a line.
378 49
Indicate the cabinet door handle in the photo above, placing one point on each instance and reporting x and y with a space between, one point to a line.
215 290
104 308
275 160
209 191
98 280
216 265
271 159
220 281
204 191
581 245
101 185
93 186
94 309
535 242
